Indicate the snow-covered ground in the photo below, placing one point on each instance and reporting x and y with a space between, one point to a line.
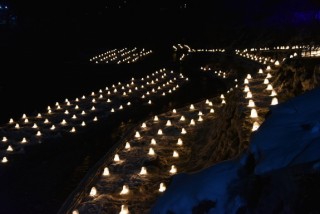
73 116
155 169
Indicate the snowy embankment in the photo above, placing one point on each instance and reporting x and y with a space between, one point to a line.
271 175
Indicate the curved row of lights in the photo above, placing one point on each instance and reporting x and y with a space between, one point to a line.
152 148
70 115
263 77
221 74
124 55
180 47
150 137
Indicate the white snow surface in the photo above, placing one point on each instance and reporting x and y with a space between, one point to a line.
290 135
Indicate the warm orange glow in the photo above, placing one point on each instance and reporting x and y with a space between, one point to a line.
4 160
274 101
137 135
255 126
143 171
24 140
269 87
251 103
127 146
173 169
151 151
273 93
254 113
124 209
9 149
249 95
106 171
93 192
175 154
162 187
246 88
125 190
116 158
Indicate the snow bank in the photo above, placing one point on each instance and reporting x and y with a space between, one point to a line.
289 136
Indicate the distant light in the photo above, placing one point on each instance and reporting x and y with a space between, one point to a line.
93 192
106 171
125 190
173 169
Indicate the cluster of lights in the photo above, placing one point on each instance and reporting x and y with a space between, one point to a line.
294 51
263 78
124 55
260 59
311 52
72 115
221 74
155 137
157 127
186 48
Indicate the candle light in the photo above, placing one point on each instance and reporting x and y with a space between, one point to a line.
254 113
137 135
162 187
255 126
183 131
9 149
116 158
124 209
106 171
24 140
4 160
192 123
127 145
251 103
246 88
93 192
151 151
125 190
173 169
249 95
269 87
175 154
274 101
143 171
153 142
